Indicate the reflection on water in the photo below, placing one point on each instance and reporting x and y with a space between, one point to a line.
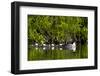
52 52
56 47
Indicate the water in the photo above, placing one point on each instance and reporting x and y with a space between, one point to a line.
56 52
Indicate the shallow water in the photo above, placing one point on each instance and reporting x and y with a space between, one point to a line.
56 52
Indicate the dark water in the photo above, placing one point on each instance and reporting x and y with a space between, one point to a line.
56 52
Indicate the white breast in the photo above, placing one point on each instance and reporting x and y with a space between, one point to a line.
74 47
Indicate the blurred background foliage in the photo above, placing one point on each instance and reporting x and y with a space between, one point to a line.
56 29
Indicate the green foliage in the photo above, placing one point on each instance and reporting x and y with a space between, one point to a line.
57 29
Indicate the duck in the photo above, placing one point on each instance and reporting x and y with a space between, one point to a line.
46 46
36 44
71 46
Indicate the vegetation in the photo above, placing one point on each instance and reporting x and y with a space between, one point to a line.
56 29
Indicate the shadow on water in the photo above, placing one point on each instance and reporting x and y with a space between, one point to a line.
48 52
